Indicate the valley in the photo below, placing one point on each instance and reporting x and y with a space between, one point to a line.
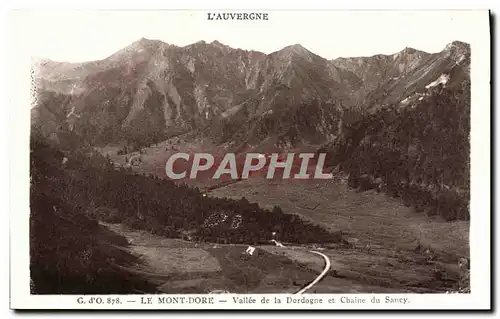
178 266
394 129
392 248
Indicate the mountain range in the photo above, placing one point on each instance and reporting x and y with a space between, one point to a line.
151 90
397 124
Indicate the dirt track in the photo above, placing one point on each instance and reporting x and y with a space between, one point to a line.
184 267
178 266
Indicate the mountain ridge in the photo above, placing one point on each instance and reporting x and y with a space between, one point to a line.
151 89
217 42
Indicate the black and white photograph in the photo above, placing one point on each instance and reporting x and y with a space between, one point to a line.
321 158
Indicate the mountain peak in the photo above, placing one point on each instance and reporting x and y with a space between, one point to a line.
145 42
142 44
297 46
220 45
408 50
215 42
458 51
295 50
457 45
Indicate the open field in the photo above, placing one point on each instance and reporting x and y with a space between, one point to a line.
370 219
178 266
393 245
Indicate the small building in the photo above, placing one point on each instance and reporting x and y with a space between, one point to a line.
250 250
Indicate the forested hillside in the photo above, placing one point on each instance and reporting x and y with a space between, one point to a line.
69 252
418 152
160 206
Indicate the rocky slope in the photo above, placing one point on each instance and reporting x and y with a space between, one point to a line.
151 90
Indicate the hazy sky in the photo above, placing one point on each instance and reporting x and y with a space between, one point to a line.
90 35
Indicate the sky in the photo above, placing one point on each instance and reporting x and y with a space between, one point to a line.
78 35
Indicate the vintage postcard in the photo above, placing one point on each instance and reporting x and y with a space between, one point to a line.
250 159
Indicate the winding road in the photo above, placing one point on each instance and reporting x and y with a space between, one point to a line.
165 276
321 275
328 264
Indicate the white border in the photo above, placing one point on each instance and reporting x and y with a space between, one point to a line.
18 88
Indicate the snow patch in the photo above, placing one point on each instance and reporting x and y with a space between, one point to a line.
190 66
277 243
72 112
460 59
442 79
